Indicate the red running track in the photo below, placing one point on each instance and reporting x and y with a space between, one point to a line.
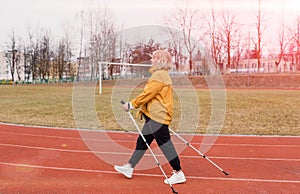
50 160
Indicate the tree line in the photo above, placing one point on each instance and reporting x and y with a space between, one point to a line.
93 39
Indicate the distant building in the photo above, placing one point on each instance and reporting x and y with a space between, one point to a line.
269 64
22 71
4 68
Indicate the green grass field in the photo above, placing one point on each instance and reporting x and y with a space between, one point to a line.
255 112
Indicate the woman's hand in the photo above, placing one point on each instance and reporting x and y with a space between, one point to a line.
127 106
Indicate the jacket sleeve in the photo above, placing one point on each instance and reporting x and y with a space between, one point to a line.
151 89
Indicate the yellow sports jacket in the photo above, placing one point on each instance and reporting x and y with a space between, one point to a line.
156 100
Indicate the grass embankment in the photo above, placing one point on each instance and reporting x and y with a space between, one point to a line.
260 112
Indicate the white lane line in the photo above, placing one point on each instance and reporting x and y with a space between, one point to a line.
135 132
159 155
246 179
151 175
126 141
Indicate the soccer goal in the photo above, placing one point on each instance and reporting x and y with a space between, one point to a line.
113 71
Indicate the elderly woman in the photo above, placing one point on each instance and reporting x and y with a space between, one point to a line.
156 103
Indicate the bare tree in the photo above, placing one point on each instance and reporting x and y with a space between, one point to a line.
26 63
99 37
12 55
19 66
229 30
61 59
175 43
259 29
295 42
31 53
80 43
186 19
282 43
36 60
214 43
238 50
44 56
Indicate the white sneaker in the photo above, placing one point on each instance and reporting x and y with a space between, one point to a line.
126 170
177 177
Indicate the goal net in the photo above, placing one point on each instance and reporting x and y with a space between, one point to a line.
112 71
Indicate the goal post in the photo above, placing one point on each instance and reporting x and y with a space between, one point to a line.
113 70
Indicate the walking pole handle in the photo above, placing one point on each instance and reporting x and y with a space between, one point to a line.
123 102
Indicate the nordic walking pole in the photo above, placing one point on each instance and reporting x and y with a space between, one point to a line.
203 156
157 162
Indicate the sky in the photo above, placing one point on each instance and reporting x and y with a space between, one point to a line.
19 15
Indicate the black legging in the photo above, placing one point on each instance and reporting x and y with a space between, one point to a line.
160 132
